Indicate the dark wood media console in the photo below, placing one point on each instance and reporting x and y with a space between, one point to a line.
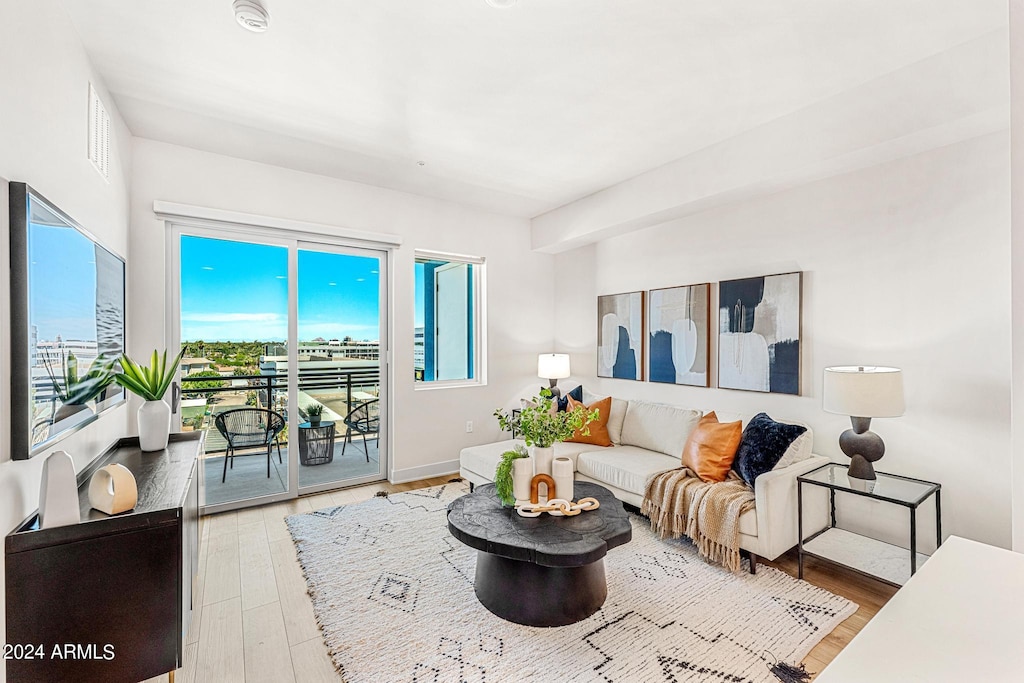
109 599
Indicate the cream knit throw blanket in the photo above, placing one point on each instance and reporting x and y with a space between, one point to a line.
679 503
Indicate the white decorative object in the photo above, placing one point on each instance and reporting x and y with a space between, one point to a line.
154 425
58 492
522 473
561 472
542 458
113 489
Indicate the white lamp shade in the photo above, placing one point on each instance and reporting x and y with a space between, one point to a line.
863 391
553 365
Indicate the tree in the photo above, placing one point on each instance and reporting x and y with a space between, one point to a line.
191 385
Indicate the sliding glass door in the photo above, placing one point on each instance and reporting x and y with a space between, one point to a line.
339 359
285 367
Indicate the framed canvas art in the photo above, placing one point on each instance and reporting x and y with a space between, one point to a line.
679 335
759 333
620 336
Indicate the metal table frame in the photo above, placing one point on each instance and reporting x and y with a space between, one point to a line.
912 505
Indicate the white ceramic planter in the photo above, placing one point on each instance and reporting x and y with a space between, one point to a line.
522 474
154 425
542 458
561 472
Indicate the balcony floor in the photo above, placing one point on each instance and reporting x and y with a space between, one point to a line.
248 478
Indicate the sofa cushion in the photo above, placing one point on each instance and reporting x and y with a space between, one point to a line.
563 401
615 417
483 459
597 433
799 450
711 448
658 427
625 467
764 443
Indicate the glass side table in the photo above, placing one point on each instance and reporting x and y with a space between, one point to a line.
889 563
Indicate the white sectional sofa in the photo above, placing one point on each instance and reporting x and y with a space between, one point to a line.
648 438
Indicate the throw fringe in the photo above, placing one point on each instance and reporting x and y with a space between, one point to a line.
679 504
788 673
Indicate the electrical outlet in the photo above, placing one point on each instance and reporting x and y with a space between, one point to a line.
469 426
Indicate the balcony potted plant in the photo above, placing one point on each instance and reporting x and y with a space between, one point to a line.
314 412
151 383
541 426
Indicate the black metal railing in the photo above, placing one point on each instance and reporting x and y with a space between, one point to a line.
269 385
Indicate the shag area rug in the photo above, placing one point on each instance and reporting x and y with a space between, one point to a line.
393 593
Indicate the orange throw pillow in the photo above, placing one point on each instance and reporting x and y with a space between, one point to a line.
712 447
598 428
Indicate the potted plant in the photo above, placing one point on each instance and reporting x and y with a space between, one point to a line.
541 426
504 479
314 412
151 383
75 392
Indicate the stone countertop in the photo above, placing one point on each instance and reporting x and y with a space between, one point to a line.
479 520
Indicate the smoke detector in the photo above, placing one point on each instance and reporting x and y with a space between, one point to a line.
251 15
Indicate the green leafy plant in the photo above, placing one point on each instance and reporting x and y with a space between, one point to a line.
151 383
541 425
74 390
314 410
503 474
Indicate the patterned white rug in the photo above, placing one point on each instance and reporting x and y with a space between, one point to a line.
393 593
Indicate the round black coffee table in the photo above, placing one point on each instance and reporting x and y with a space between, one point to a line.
540 571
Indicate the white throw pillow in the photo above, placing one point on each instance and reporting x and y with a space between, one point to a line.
658 427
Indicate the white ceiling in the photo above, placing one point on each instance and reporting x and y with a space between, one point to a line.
515 110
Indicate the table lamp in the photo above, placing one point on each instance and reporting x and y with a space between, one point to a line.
553 367
863 392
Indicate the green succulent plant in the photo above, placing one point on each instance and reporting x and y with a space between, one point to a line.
151 383
74 390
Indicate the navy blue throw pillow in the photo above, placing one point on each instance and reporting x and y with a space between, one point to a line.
762 446
563 401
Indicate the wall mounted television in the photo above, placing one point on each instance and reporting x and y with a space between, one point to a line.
67 324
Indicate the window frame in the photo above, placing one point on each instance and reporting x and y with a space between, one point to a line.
479 326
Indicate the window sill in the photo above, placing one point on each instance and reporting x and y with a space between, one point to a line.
447 384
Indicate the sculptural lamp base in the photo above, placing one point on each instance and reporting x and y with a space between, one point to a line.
863 447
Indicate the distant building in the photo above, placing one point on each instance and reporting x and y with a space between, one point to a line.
190 365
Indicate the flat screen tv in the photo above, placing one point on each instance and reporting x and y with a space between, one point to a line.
67 324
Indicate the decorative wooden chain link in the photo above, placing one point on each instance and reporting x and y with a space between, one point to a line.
557 506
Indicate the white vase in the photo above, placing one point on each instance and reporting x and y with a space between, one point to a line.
522 474
154 425
542 458
561 472
58 492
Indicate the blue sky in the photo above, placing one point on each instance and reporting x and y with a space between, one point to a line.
236 291
61 255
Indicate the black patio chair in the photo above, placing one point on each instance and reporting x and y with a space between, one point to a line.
363 419
249 428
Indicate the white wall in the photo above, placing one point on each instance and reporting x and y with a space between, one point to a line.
1017 255
44 88
904 264
429 426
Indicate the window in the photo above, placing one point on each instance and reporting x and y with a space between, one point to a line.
447 344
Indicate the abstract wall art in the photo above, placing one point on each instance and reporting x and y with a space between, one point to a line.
679 335
759 333
620 336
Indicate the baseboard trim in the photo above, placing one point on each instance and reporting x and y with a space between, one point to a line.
424 472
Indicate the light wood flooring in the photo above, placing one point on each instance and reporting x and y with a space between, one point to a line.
254 621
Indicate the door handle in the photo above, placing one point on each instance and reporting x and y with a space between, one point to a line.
175 397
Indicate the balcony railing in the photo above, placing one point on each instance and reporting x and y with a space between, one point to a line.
271 391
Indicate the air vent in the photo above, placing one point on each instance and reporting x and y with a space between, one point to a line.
99 134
